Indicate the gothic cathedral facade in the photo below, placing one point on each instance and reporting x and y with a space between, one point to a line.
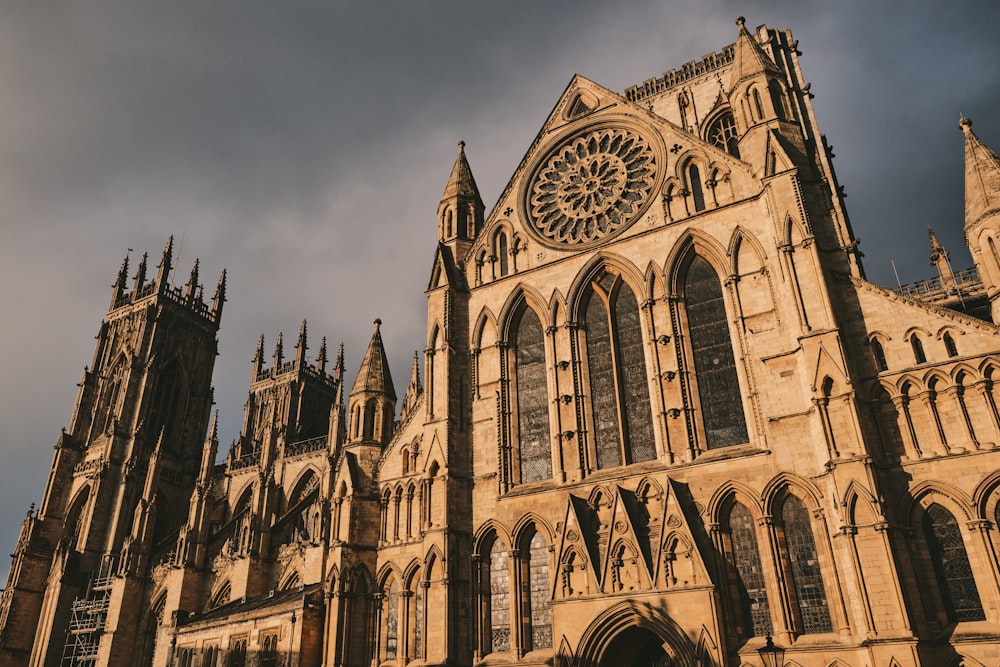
662 419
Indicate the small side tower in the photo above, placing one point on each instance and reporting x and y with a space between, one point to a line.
982 213
460 213
372 401
122 475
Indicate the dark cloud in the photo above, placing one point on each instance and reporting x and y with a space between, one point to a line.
305 146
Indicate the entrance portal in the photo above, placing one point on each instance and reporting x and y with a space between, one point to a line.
636 647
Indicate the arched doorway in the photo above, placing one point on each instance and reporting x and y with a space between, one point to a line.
636 634
637 647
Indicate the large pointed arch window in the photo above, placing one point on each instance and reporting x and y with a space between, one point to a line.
722 134
804 568
716 380
745 555
623 425
951 566
533 431
168 403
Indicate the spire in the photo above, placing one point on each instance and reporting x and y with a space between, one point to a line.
279 352
166 263
118 289
258 359
300 346
749 58
461 183
374 376
461 209
140 273
192 284
939 259
208 452
982 179
414 389
321 358
220 297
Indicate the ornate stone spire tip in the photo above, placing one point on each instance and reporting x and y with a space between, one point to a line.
965 124
740 21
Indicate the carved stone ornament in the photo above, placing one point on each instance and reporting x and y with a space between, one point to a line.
591 187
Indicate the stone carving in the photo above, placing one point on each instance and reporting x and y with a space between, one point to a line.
591 187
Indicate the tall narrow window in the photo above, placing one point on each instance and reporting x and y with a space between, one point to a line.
697 191
392 621
918 349
749 573
723 135
369 427
499 598
538 587
951 566
879 353
418 619
237 652
806 577
623 426
269 651
503 254
167 403
949 345
532 400
774 88
714 362
758 107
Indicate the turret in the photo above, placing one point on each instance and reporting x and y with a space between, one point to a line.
373 398
939 260
118 289
982 213
460 213
166 264
301 347
220 297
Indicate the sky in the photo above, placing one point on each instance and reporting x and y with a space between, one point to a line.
304 146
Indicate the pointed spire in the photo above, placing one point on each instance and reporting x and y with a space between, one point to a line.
220 297
321 358
192 284
279 352
461 183
140 273
166 264
258 359
374 375
118 289
749 58
939 259
301 346
414 389
982 178
208 452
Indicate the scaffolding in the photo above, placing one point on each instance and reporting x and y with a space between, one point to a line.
88 615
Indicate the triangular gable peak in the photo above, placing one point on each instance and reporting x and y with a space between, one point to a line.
577 560
595 173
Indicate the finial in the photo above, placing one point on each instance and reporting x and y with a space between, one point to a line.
340 356
322 359
214 429
964 123
461 145
192 286
220 296
140 273
740 21
378 323
279 351
260 348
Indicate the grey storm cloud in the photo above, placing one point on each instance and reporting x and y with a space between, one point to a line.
304 146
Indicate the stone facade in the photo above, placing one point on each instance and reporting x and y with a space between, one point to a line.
663 420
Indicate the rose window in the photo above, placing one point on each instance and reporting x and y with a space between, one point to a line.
591 187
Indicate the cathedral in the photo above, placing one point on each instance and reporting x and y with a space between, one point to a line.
661 418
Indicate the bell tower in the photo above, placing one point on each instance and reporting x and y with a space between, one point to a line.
122 472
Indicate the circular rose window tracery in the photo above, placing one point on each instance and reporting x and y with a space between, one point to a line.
591 187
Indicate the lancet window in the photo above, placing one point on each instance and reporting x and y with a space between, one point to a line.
533 430
715 376
499 597
951 566
804 568
392 621
697 189
918 349
623 425
754 607
540 631
949 345
503 255
879 353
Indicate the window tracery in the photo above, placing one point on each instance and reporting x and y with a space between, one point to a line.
499 597
533 428
804 568
723 134
752 591
538 591
950 560
623 427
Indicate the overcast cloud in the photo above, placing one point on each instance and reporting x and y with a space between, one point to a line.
304 146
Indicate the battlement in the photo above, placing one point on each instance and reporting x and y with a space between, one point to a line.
675 77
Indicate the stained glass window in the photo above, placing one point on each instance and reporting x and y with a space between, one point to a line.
532 400
538 586
749 572
499 597
951 565
722 134
714 362
392 621
807 578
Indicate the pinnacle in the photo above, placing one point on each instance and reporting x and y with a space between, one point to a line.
461 183
750 59
374 375
982 177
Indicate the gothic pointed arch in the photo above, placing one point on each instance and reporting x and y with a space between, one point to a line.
485 330
710 374
528 401
621 633
620 412
602 262
745 576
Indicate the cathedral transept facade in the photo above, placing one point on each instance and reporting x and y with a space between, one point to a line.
660 418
